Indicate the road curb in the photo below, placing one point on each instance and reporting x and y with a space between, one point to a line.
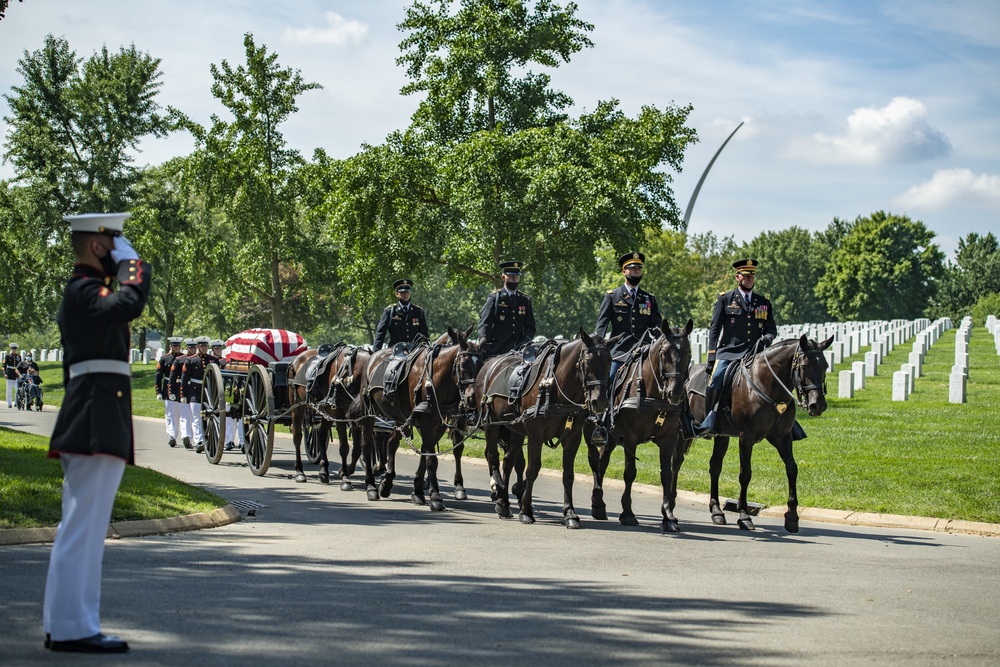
118 529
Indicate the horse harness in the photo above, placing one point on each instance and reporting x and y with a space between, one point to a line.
801 390
641 401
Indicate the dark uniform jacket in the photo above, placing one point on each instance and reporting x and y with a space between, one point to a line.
736 328
96 414
212 359
506 322
161 385
400 325
10 362
174 380
192 376
622 314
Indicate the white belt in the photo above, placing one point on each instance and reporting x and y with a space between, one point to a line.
193 381
100 366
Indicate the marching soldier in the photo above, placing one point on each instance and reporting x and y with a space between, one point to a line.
176 382
93 435
192 377
10 362
401 322
171 415
507 320
234 423
215 355
627 310
741 318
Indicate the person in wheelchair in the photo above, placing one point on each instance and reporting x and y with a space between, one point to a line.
30 389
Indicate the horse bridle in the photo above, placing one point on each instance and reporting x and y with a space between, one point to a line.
460 359
581 367
801 390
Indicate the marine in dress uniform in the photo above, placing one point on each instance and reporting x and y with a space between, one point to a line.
741 318
171 416
401 322
93 432
192 378
176 382
507 320
627 311
10 362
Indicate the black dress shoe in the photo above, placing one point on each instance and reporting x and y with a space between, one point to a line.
172 442
187 443
99 643
199 448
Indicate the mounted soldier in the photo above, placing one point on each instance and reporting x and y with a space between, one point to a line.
402 322
507 320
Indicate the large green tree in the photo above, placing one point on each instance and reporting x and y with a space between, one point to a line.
974 273
250 175
886 267
790 268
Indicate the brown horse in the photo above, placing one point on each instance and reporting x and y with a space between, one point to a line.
763 406
647 404
313 417
569 387
430 398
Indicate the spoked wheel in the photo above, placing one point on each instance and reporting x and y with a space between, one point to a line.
213 413
312 435
258 420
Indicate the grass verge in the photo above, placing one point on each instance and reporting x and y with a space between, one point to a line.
31 488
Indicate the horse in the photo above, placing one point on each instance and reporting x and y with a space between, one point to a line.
763 406
565 386
429 398
647 404
338 386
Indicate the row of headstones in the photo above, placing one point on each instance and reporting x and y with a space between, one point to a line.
959 376
135 356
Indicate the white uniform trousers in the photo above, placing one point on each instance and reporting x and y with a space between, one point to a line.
184 416
11 392
172 418
196 435
72 608
234 427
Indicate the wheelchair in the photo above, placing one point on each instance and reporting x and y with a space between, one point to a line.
28 394
21 396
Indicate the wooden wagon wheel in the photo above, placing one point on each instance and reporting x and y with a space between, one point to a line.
312 435
258 420
213 412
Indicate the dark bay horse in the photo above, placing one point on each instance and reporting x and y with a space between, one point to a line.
763 406
647 403
430 398
333 392
567 386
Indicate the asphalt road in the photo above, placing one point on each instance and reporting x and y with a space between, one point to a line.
323 576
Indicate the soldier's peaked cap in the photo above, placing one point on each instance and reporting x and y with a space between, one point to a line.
99 223
13 346
175 340
511 267
746 265
402 284
215 342
631 258
189 342
201 340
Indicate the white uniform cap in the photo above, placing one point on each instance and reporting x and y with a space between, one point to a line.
101 223
189 342
216 343
175 340
201 340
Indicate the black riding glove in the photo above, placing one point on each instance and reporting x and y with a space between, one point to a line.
766 340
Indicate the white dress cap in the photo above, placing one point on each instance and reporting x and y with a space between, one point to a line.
101 223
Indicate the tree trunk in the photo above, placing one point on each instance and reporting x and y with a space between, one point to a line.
142 339
277 298
171 320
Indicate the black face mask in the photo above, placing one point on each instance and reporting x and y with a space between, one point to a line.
109 265
633 280
512 286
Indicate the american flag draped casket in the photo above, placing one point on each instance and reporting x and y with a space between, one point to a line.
263 347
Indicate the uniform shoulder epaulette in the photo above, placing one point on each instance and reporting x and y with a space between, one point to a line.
722 293
611 291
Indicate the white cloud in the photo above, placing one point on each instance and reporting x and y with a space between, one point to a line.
339 31
953 187
896 133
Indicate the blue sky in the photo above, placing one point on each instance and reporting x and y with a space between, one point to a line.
849 107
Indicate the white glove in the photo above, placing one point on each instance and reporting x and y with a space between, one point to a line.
123 250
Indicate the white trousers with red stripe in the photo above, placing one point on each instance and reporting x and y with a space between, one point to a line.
72 608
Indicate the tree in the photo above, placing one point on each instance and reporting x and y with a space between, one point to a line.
790 268
3 7
75 125
974 273
250 175
886 267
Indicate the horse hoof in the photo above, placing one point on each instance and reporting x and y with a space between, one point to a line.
417 500
324 477
384 489
573 522
526 519
503 511
746 524
671 526
719 519
791 524
628 520
460 493
372 494
345 485
437 505
599 513
300 478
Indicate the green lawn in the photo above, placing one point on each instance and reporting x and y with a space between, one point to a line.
31 488
924 456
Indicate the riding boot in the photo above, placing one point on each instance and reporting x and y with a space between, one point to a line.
600 436
708 427
798 433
